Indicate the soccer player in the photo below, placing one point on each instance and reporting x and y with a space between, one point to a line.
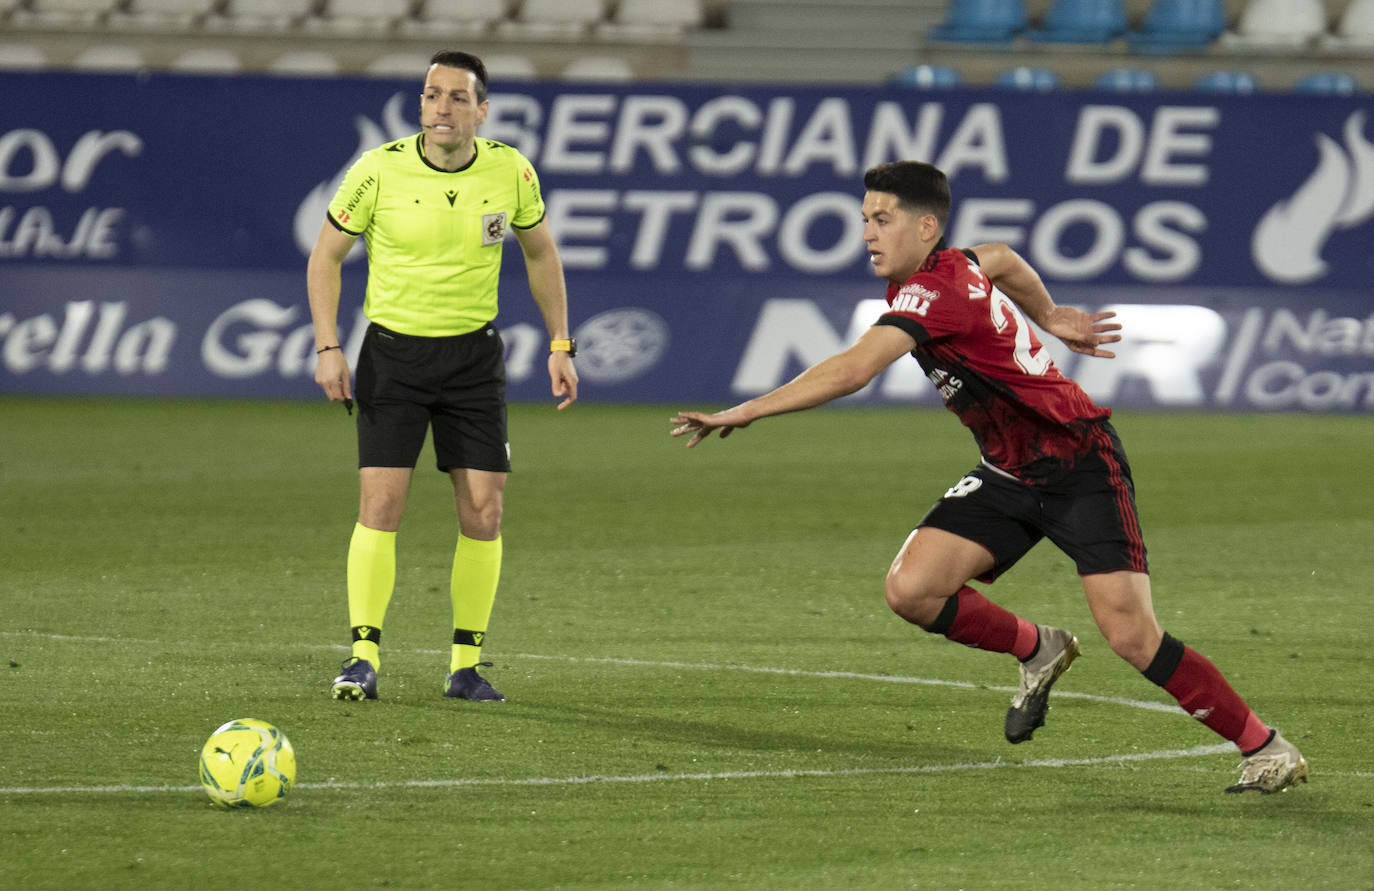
434 209
1052 466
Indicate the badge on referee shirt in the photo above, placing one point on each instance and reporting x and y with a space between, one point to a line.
493 228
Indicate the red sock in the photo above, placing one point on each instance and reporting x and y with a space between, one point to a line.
1203 692
979 623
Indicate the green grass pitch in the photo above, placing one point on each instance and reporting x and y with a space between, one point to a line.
705 687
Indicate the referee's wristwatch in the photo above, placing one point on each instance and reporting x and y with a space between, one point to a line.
568 345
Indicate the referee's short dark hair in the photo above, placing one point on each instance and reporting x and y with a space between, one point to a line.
920 188
467 62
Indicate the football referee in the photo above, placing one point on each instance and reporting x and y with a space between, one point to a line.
434 209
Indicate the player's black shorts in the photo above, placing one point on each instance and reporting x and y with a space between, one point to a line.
457 385
1088 511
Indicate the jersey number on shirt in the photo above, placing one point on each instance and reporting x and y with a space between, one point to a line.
1005 313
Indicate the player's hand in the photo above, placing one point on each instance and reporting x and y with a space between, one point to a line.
563 377
331 373
1083 332
700 425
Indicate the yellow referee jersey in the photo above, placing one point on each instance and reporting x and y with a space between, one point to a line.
434 236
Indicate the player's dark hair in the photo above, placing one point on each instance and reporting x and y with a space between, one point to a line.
920 188
467 62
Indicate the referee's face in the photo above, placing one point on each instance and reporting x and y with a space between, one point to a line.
449 111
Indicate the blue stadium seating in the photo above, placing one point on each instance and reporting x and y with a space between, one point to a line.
1026 77
1127 80
927 76
1173 25
1328 84
1082 21
982 21
1227 82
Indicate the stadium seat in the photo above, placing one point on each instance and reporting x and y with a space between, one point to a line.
1280 24
982 21
598 68
553 20
1327 84
304 62
1173 25
207 60
651 20
1226 82
1081 21
259 16
1355 29
453 18
109 58
73 5
356 18
62 13
160 15
1127 80
17 56
1026 77
927 77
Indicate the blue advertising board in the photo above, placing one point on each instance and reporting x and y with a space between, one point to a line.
154 230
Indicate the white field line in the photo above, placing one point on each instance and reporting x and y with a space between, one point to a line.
1114 760
1196 751
1059 692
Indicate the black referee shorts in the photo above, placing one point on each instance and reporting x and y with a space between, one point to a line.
1088 512
456 385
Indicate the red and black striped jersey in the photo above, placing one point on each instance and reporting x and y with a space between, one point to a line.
992 371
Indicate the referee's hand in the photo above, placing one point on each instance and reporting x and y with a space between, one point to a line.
563 376
331 373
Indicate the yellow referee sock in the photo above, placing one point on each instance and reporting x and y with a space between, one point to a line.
371 580
472 587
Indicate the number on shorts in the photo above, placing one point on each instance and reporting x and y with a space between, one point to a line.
966 486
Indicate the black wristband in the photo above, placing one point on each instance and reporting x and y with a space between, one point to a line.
327 349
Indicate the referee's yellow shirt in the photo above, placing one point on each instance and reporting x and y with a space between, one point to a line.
434 236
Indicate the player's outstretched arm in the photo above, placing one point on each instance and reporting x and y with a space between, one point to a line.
840 375
702 424
1082 332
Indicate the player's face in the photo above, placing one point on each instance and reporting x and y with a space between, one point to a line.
897 242
449 111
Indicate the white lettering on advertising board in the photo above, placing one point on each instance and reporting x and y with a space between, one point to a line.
31 163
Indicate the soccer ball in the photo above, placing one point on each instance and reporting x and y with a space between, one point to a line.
247 763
